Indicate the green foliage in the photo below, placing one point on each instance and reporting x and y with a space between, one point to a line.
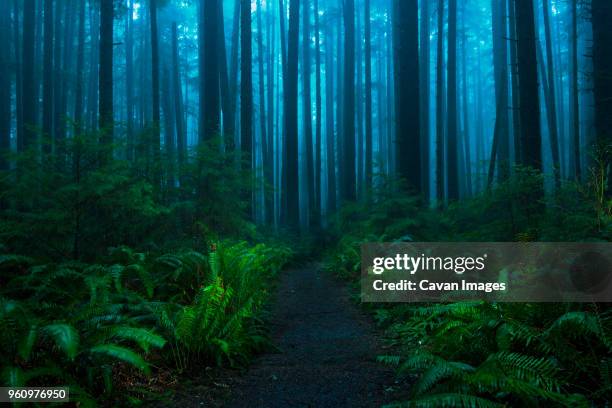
75 205
89 325
478 354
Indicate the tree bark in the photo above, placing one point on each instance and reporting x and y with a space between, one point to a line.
246 90
330 151
181 142
156 136
307 105
440 106
602 71
5 86
105 82
551 106
291 114
210 119
349 187
575 151
368 99
452 166
529 107
424 88
47 121
129 79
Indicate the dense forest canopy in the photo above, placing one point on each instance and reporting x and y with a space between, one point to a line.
161 161
321 97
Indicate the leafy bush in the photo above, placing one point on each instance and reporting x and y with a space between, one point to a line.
87 325
477 354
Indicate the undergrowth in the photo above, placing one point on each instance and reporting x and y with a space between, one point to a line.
479 354
104 328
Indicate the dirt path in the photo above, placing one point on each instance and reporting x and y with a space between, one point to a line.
326 358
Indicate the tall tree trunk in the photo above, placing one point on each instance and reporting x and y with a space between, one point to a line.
58 67
516 121
283 133
266 159
129 78
105 82
349 187
233 80
18 74
466 128
368 100
5 86
318 107
424 88
500 63
156 142
47 123
359 106
169 139
529 106
440 106
291 114
210 123
330 152
602 72
451 89
575 152
551 106
93 86
246 88
181 140
226 98
307 105
271 61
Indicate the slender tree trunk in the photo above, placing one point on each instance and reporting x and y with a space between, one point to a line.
129 79
18 74
78 94
5 86
516 121
181 140
233 80
349 188
451 89
602 72
283 134
226 99
359 152
169 139
424 88
318 107
500 64
28 84
105 82
368 100
265 154
271 60
551 96
529 108
440 106
466 128
575 153
48 78
156 142
307 105
58 82
210 119
291 114
246 90
330 151
93 96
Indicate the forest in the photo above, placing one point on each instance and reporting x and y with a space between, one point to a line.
167 165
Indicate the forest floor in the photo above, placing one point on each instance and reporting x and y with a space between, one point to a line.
326 354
